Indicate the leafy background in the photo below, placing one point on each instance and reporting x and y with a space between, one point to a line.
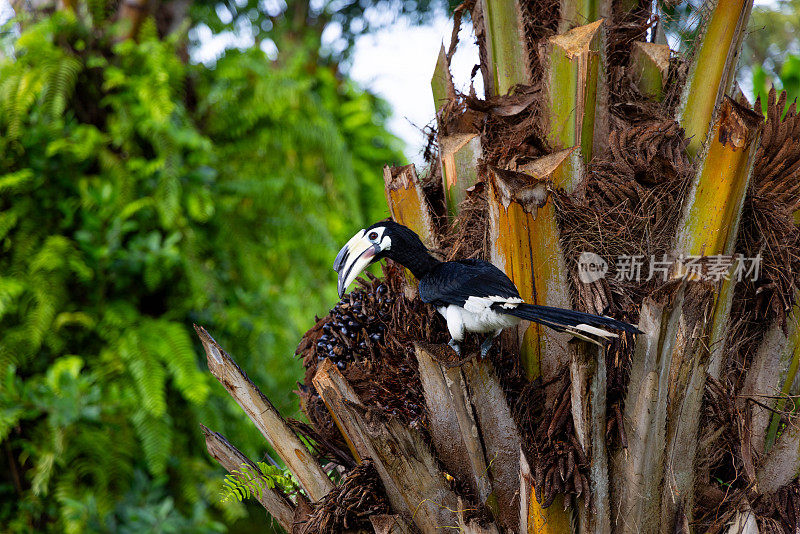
141 193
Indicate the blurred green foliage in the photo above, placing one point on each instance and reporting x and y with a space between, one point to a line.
139 194
772 49
787 79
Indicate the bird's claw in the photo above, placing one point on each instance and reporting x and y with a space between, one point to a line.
455 346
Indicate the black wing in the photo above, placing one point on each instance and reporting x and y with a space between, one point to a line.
453 282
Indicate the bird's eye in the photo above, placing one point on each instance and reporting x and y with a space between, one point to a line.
373 236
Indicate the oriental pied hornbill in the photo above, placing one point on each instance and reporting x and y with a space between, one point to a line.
472 295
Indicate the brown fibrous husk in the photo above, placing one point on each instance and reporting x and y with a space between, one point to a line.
359 495
768 229
724 456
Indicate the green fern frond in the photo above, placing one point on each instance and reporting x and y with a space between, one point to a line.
81 319
8 220
251 481
232 488
15 182
155 434
178 355
9 417
148 374
42 471
18 92
134 207
48 294
10 291
232 509
66 365
60 84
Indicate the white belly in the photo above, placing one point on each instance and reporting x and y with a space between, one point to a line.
486 320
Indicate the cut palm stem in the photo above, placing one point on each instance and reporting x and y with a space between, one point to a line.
505 46
588 392
442 86
501 440
708 227
310 475
574 13
639 469
571 61
782 464
409 471
524 240
770 378
407 202
229 457
389 524
713 206
409 206
787 369
452 423
598 470
649 68
459 154
712 70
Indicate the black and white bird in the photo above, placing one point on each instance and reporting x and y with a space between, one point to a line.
472 295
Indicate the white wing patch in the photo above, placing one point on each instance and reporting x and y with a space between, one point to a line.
481 304
605 334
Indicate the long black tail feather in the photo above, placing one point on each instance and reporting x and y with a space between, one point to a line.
564 320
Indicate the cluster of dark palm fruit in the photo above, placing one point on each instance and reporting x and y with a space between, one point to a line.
356 326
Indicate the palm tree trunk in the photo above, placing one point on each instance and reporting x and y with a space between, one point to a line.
529 447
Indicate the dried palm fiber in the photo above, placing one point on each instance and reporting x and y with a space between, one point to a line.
629 107
779 513
768 229
627 25
540 21
349 505
723 454
457 117
559 464
629 207
467 236
775 513
509 126
323 448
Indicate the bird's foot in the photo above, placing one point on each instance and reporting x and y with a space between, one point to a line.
455 346
486 346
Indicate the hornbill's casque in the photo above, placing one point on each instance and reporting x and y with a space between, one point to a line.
472 295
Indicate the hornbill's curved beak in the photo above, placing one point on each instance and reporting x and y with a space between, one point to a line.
354 258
